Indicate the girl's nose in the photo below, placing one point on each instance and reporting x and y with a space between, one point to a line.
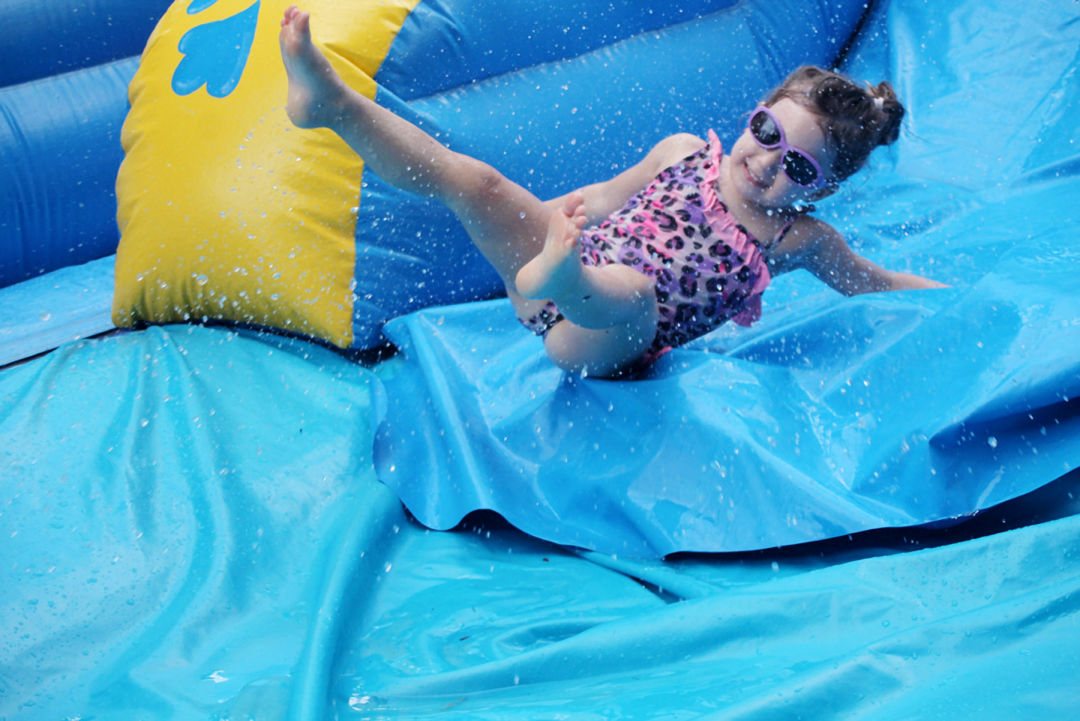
774 158
769 163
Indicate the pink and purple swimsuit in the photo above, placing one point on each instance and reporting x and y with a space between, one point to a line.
707 268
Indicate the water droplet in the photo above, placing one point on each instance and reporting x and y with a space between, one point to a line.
992 442
356 701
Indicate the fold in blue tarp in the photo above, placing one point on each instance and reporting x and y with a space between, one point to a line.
963 631
748 440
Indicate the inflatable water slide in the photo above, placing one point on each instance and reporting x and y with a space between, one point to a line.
273 445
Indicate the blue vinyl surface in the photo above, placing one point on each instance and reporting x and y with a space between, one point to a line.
470 37
193 529
50 310
192 524
60 150
51 37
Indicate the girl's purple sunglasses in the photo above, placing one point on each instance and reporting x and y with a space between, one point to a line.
799 165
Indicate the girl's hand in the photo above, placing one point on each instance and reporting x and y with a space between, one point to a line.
910 281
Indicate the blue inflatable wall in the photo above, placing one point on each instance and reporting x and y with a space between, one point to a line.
203 522
63 98
60 142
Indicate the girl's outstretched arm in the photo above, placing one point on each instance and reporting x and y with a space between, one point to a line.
828 256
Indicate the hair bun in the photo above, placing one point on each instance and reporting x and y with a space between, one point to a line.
890 112
856 118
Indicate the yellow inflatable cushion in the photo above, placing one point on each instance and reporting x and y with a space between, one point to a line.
226 211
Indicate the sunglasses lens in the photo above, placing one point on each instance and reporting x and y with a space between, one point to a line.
764 129
799 168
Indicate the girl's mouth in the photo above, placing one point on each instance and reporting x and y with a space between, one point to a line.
754 180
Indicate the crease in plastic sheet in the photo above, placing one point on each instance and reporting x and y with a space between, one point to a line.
847 629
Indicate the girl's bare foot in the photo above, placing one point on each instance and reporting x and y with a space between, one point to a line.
313 85
557 269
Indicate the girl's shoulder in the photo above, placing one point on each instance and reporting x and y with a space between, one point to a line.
676 147
687 141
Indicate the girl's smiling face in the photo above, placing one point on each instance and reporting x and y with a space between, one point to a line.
758 173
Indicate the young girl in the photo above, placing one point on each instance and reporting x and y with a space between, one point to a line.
615 273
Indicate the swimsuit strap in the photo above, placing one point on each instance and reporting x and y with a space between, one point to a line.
764 248
782 232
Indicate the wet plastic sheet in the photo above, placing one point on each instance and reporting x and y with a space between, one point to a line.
192 530
831 415
46 312
971 630
173 503
778 439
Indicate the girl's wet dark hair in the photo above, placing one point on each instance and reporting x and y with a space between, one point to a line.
855 118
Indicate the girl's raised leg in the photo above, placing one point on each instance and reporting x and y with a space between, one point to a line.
508 224
505 221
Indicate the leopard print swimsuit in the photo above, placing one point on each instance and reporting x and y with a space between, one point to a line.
707 268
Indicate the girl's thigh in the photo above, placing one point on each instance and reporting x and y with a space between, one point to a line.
505 221
602 352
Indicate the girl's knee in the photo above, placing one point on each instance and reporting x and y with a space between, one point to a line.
475 182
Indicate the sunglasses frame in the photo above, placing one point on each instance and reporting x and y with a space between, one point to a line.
819 181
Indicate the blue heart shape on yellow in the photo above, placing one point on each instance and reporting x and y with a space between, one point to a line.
197 6
215 54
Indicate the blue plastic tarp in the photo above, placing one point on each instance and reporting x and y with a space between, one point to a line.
192 529
50 310
775 439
